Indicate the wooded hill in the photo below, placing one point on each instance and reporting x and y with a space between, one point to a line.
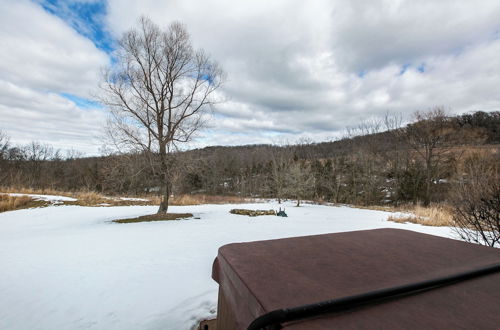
375 164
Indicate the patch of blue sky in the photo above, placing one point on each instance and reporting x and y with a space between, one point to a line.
85 17
274 134
82 102
362 73
420 68
203 76
404 68
208 78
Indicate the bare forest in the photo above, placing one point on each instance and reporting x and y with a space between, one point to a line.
377 163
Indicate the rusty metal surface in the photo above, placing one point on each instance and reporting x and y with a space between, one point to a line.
259 277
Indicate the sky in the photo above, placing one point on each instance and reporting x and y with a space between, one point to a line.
295 69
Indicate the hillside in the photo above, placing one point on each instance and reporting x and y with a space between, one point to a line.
378 168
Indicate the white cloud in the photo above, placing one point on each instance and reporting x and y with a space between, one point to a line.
312 68
40 51
42 57
295 68
29 115
371 34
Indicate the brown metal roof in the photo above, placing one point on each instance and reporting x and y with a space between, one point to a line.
259 277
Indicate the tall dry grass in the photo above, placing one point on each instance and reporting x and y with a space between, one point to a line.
84 198
92 198
198 199
24 190
436 215
11 203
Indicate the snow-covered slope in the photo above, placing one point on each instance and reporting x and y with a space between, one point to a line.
69 267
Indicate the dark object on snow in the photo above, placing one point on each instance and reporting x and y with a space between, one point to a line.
257 278
208 325
282 213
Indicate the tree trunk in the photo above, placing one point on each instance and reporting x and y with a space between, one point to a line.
165 197
427 198
428 177
165 184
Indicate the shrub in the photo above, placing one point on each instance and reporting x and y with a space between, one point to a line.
476 210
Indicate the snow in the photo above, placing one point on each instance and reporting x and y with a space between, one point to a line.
69 267
48 198
134 199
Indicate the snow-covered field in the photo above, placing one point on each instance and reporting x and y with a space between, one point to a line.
69 267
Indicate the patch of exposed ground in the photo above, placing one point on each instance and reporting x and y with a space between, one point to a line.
252 213
156 217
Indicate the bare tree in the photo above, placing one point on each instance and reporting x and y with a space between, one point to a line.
281 158
299 180
36 156
429 136
4 148
158 93
4 144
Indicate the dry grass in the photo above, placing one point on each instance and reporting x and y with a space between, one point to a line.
198 199
24 190
91 198
84 198
435 215
156 217
376 208
177 200
11 203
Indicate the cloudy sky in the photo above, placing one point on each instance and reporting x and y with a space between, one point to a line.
296 69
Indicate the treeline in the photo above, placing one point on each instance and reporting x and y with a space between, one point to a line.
380 162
